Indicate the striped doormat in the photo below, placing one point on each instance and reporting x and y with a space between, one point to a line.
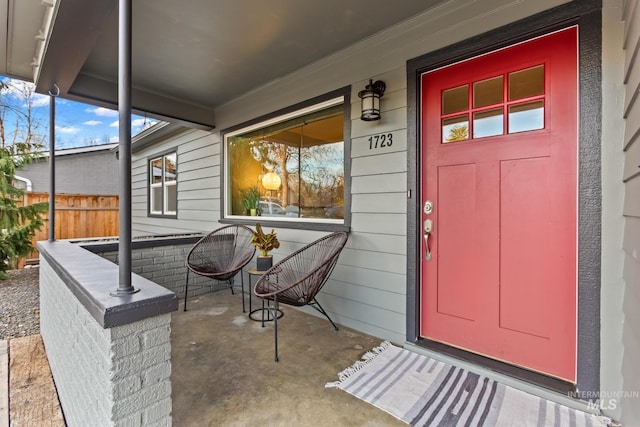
422 391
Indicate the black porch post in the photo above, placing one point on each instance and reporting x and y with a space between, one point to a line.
52 165
124 110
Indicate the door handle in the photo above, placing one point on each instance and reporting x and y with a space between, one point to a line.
428 229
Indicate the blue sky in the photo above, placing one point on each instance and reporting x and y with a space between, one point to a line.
77 124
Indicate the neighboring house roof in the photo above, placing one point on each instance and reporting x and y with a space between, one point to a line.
80 150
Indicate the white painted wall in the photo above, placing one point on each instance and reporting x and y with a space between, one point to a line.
117 376
368 288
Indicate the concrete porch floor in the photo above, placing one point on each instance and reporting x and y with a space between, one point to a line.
223 372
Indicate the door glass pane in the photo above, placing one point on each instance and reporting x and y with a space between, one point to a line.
488 123
455 129
455 100
170 169
488 92
527 116
526 83
156 171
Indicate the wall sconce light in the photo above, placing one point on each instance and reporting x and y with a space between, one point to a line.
371 100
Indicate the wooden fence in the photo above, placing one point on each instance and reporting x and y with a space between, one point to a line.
77 215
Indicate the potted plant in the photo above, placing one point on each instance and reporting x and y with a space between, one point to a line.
264 242
251 200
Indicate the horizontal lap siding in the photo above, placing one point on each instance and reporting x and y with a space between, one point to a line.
631 244
367 290
369 283
198 185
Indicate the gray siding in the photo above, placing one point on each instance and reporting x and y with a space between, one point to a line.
367 290
612 284
82 173
631 273
198 185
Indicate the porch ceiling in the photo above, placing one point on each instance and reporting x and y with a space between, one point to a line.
188 57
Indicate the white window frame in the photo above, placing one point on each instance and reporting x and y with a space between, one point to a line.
288 221
163 184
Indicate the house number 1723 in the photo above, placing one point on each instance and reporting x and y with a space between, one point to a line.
380 141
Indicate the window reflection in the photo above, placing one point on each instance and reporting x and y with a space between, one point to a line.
527 116
526 83
522 99
156 171
488 123
307 154
455 129
170 167
455 100
488 92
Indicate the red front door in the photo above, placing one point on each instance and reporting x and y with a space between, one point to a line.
499 135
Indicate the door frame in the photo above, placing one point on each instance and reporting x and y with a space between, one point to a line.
587 16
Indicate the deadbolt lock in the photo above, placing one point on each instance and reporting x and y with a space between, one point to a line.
428 207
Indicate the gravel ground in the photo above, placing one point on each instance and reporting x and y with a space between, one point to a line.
20 304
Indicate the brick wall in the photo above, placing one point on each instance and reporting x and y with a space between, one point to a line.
116 376
165 265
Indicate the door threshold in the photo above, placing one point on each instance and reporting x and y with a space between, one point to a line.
550 392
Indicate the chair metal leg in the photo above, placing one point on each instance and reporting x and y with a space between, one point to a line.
318 307
275 323
242 290
231 285
186 290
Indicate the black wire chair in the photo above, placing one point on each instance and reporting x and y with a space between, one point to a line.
220 255
297 279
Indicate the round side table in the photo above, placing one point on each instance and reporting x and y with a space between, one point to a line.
269 316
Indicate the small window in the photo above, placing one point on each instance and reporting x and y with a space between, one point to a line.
289 168
455 129
163 178
455 100
487 92
526 116
494 108
526 83
488 123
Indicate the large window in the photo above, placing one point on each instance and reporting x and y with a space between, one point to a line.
289 168
163 175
